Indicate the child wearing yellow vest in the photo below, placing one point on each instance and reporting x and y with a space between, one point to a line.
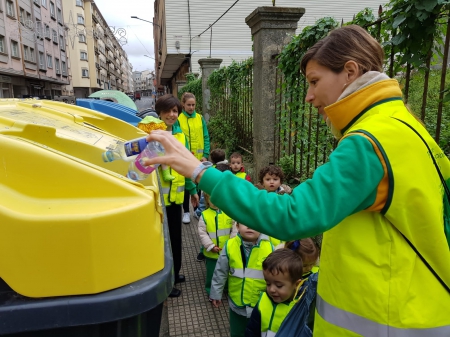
282 271
271 179
214 229
237 166
194 127
240 263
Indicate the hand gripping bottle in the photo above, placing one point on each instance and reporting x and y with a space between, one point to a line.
137 170
128 150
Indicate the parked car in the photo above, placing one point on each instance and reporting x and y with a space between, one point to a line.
131 96
137 95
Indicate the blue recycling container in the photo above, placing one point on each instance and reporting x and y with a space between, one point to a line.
110 108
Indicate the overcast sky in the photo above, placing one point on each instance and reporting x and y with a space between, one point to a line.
139 34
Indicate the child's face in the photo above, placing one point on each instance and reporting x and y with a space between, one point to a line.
271 182
247 234
308 264
189 106
236 164
280 286
169 117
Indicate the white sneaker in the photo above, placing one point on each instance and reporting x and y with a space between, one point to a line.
186 218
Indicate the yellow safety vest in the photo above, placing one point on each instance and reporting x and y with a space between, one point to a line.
372 283
173 191
241 175
272 314
246 282
218 226
192 127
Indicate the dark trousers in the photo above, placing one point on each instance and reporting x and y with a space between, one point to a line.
174 218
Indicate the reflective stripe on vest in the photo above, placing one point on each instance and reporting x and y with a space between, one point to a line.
368 328
218 226
272 314
245 282
247 272
393 293
173 191
192 127
268 334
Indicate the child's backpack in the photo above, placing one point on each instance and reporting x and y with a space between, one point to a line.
294 325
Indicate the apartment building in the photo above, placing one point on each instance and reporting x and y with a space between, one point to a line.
98 61
33 60
182 37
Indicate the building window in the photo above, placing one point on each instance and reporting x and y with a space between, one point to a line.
21 15
63 68
49 61
32 55
80 19
29 22
52 10
26 53
2 44
61 42
38 29
44 3
59 15
83 55
55 36
80 3
14 49
10 8
37 2
41 60
84 73
57 66
82 38
47 32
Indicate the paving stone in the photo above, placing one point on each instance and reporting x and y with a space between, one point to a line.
192 314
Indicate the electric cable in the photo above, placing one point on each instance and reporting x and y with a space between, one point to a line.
217 19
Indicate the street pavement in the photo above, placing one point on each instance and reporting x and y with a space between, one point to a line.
145 102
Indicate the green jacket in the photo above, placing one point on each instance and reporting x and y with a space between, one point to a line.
345 185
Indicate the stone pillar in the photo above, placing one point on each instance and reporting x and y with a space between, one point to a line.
208 65
272 29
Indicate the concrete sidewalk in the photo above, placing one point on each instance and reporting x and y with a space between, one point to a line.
192 314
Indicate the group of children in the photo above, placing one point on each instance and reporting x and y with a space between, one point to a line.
264 277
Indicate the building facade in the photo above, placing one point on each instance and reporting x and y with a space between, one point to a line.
181 34
98 61
33 59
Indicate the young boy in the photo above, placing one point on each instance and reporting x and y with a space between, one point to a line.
271 179
283 275
240 263
217 158
214 230
237 166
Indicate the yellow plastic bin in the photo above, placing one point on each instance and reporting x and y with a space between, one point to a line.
71 224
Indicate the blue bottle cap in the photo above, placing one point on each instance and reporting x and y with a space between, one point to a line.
107 156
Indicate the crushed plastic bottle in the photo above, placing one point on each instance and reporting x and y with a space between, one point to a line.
137 170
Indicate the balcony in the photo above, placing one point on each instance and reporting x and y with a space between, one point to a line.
103 65
102 50
97 65
96 50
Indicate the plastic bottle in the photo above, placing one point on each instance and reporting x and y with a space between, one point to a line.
137 170
128 151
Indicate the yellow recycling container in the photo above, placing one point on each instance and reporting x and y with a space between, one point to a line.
71 224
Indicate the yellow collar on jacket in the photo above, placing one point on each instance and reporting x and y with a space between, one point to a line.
347 111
